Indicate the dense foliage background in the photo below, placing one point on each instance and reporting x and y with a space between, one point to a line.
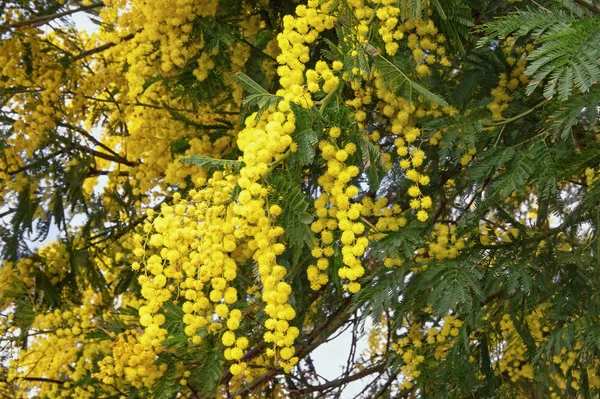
222 186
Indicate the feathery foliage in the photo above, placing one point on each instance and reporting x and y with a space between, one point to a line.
197 197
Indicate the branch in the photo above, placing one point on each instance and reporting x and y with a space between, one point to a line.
517 117
257 350
387 385
44 19
589 4
195 393
36 379
87 135
100 49
106 234
316 338
95 172
529 240
98 154
476 195
8 212
321 333
253 47
36 162
341 381
164 107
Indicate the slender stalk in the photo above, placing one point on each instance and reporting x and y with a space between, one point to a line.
328 98
44 19
279 161
87 135
153 106
36 379
100 49
98 154
589 4
341 381
37 162
517 117
318 336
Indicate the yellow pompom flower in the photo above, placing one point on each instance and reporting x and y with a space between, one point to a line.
228 338
414 191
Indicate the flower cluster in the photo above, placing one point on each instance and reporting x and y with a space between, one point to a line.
516 57
195 247
591 176
130 361
421 38
335 211
419 340
514 355
65 351
197 260
442 244
567 361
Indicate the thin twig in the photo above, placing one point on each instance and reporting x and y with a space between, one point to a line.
36 379
590 5
340 381
44 19
102 155
36 162
316 338
517 117
87 135
100 49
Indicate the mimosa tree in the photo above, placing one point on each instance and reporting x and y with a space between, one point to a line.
198 194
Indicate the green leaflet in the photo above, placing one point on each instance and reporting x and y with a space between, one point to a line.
581 110
256 95
372 163
305 136
397 80
453 18
306 147
212 164
295 217
567 52
454 283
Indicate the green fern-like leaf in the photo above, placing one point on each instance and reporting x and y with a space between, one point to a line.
380 291
334 53
256 94
397 80
568 56
453 18
412 9
403 242
305 136
212 164
480 65
579 111
571 6
373 164
491 161
568 51
189 122
530 22
295 216
515 177
453 284
306 147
